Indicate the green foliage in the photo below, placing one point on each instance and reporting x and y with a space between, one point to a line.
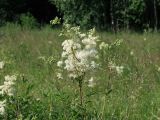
28 21
81 12
128 12
108 13
9 10
136 10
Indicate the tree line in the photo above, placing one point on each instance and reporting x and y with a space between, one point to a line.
103 14
114 14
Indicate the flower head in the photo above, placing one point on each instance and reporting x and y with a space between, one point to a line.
7 87
59 63
59 76
79 52
2 64
103 45
2 107
118 69
91 82
131 53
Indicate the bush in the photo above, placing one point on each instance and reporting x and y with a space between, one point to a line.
28 21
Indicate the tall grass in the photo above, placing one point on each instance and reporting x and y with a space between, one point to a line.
32 54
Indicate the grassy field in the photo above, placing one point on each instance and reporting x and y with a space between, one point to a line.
32 56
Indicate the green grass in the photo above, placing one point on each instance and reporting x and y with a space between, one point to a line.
134 95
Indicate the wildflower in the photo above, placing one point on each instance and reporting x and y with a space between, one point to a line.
2 64
42 58
103 45
2 107
59 76
93 64
111 65
7 87
59 63
64 54
131 53
119 69
144 39
55 21
10 78
50 60
78 52
50 42
91 82
118 42
82 35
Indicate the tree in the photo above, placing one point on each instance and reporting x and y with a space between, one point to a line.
85 13
155 15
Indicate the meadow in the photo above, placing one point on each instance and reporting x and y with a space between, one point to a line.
32 55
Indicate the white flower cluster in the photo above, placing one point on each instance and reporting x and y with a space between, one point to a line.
59 76
131 53
103 45
55 21
118 42
46 60
79 52
119 69
2 64
6 89
91 82
2 107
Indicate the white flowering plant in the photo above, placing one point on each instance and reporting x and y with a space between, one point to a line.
6 91
2 63
79 54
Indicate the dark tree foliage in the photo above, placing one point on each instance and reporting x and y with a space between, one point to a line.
103 14
115 14
42 10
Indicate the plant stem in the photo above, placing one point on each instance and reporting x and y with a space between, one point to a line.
81 92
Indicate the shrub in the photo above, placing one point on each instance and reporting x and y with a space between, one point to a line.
28 21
